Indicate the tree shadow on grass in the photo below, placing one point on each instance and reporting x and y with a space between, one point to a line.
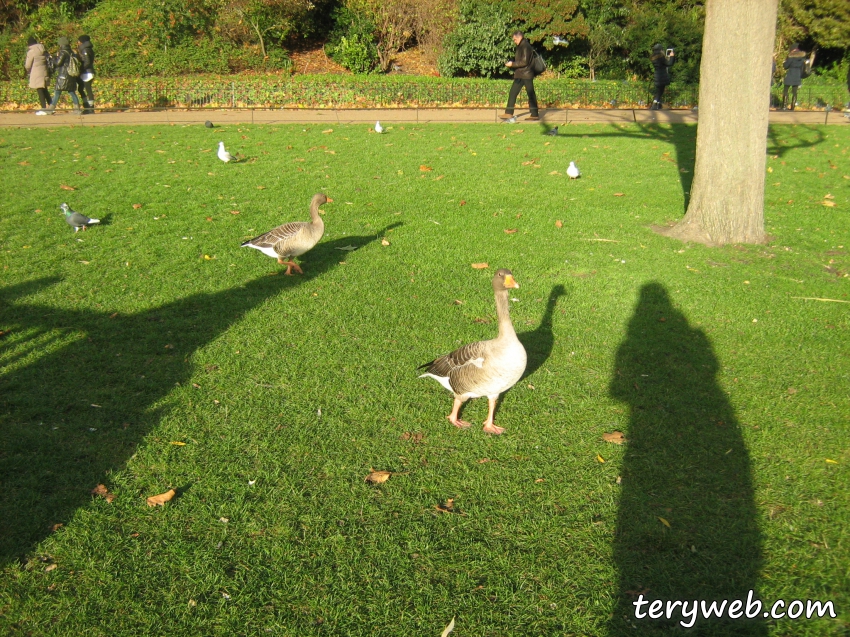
685 462
79 412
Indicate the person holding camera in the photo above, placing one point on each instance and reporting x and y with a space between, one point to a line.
661 61
522 65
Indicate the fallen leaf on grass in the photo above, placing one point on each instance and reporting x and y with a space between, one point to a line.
208 257
50 567
136 206
554 172
539 480
831 461
829 196
483 460
178 443
56 527
325 132
449 628
559 224
64 187
261 187
615 436
462 202
4 333
425 169
600 458
103 492
161 499
438 177
510 230
378 477
480 266
234 212
829 204
415 437
664 522
23 163
619 194
447 507
384 242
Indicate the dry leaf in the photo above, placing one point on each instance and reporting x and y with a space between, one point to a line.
325 132
23 163
208 257
178 443
378 477
664 522
234 212
539 480
462 202
447 507
261 187
510 230
64 187
103 492
56 527
415 437
448 628
480 266
50 567
615 436
113 315
425 169
600 458
161 499
559 224
384 242
831 461
438 177
136 206
554 172
830 204
829 196
483 460
618 194
458 302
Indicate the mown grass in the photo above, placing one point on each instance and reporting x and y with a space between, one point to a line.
156 328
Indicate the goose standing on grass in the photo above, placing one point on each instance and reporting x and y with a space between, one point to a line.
75 219
292 239
484 368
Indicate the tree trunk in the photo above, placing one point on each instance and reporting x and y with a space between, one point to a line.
727 195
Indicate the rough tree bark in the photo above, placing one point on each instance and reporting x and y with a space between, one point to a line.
727 194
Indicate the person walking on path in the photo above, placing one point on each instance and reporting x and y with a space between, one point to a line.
522 65
795 64
36 66
64 81
85 52
662 62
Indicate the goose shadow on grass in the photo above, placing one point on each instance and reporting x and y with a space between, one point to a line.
55 444
686 462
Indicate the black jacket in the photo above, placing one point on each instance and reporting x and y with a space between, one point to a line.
64 82
85 51
795 62
661 63
523 59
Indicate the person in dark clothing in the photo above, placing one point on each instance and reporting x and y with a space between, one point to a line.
85 52
795 64
523 76
36 66
661 61
64 82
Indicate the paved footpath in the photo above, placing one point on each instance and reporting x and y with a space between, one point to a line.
397 115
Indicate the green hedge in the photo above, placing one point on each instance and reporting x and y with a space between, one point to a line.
345 91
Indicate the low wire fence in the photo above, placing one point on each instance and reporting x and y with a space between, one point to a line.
274 92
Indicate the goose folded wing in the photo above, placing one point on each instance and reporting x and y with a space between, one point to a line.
281 233
472 354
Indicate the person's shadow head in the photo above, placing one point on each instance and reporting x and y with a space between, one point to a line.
687 523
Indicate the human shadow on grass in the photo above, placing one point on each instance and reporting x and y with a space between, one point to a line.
687 524
73 415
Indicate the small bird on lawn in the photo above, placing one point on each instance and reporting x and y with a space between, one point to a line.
292 239
223 155
378 127
553 132
75 219
208 124
573 171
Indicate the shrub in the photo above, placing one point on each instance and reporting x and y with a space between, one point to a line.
480 44
351 42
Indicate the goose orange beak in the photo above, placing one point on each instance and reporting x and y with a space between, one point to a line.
510 282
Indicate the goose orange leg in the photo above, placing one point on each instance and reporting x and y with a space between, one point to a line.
489 426
453 417
289 265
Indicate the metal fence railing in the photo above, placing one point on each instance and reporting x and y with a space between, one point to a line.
385 92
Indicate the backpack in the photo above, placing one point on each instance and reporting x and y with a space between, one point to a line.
74 66
537 64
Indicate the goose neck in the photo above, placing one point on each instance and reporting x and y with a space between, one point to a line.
506 328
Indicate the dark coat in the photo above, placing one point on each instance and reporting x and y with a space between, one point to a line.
661 63
795 62
64 82
523 60
86 53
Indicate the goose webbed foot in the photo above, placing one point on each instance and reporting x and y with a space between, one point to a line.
489 426
453 417
289 265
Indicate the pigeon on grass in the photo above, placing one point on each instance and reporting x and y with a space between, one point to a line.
553 132
76 220
209 124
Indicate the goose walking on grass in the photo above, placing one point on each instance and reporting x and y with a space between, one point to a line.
484 368
292 239
75 219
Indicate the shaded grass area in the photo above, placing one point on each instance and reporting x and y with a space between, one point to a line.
156 328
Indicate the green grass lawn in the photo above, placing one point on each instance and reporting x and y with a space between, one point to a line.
152 352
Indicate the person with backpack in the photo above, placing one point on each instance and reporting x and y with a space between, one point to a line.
85 51
523 67
795 65
67 66
36 66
